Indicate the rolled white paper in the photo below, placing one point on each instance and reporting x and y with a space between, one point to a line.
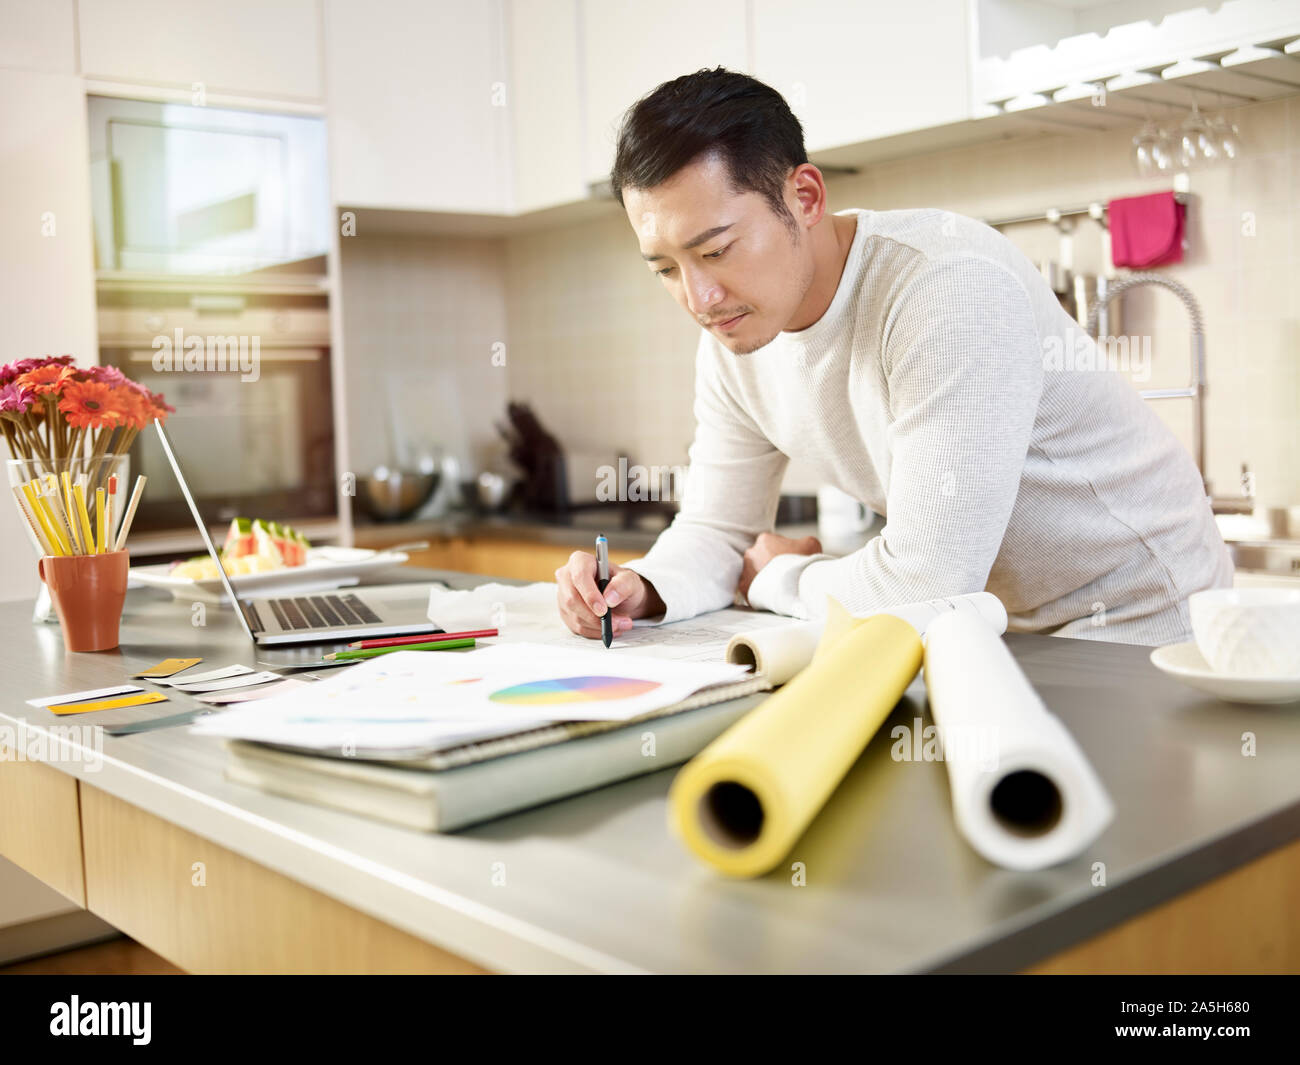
781 652
1023 794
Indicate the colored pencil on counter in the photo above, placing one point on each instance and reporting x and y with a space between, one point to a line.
444 645
129 516
423 637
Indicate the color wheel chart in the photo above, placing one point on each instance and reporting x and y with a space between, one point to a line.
572 690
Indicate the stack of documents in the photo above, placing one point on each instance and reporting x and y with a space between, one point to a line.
438 740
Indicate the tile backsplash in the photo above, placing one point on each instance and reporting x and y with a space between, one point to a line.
606 357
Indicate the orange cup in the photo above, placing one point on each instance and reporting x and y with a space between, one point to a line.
88 593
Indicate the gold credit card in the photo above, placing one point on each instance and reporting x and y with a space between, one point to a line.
168 667
140 699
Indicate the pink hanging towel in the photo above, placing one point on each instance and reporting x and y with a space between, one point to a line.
1146 230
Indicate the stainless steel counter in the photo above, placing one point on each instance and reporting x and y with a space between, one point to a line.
596 882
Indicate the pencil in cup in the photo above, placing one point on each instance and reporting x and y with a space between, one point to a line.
50 536
83 519
129 516
442 645
101 539
50 502
35 521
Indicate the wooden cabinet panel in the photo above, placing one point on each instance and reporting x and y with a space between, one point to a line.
243 918
40 823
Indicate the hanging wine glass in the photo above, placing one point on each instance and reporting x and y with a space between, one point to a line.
1195 146
1147 149
1226 136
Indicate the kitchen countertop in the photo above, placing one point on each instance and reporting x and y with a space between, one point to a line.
579 530
597 883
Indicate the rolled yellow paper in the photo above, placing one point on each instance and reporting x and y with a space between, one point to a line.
742 802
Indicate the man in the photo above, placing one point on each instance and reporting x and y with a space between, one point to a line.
913 359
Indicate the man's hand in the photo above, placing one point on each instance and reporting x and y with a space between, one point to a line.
628 594
768 546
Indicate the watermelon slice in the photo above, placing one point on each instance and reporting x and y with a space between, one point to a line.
239 540
275 543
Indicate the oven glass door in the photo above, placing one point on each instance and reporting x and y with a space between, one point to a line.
259 448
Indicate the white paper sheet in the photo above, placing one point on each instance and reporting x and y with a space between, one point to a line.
529 613
414 700
81 697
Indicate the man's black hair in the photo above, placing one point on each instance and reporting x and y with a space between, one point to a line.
747 124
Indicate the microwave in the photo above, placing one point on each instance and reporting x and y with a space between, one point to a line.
183 190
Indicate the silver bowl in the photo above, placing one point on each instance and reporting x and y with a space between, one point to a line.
391 495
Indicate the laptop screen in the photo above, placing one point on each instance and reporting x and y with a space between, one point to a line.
203 529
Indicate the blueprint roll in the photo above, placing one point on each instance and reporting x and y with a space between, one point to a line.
1023 793
742 802
782 651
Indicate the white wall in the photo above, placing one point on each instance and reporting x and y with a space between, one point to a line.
47 298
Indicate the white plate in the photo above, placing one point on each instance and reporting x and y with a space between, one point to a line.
326 567
1185 662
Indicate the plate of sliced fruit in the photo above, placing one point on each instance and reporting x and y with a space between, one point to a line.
266 556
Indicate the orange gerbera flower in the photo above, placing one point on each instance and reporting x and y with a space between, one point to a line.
134 400
46 380
92 405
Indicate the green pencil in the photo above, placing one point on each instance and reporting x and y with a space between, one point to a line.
444 645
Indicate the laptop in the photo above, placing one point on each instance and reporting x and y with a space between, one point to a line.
322 617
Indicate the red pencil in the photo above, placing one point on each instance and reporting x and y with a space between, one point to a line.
428 637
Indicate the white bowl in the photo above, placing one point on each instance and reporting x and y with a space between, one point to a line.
1248 632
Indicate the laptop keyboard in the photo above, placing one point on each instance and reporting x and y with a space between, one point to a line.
321 611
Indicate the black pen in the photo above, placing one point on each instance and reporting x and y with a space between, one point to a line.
602 579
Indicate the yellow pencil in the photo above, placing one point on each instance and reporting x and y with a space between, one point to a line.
33 521
53 501
52 498
44 519
70 512
100 538
83 516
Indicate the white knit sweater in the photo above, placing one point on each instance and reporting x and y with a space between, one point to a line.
932 390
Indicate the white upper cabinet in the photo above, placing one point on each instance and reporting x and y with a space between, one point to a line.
855 71
234 47
38 36
629 47
546 104
418 105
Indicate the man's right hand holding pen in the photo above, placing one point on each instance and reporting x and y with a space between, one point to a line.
628 595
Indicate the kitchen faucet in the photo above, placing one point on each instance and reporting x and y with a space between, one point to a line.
1195 390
